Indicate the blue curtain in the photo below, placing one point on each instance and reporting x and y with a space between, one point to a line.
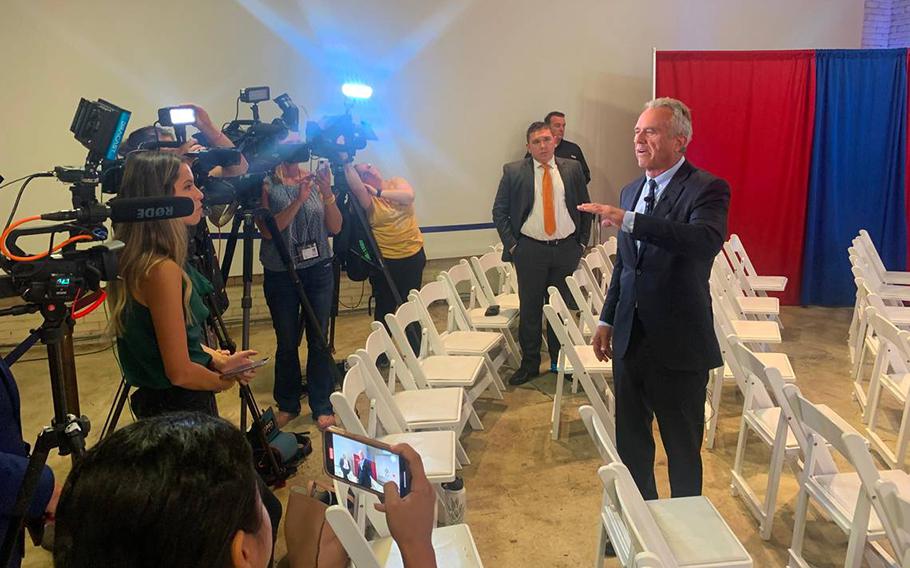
856 179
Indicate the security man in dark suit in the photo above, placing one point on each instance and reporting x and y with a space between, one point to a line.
543 233
657 315
556 120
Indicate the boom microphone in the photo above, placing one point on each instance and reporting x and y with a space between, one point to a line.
128 210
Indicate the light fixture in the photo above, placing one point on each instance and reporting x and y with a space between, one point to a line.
357 90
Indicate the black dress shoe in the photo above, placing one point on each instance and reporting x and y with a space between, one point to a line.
522 376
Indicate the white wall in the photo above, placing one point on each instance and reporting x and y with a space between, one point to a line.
456 82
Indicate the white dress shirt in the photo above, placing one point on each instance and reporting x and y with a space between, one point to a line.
533 225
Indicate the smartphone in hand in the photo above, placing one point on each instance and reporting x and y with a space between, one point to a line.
237 371
364 462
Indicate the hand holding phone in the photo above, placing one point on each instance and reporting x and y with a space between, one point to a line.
365 463
242 371
411 518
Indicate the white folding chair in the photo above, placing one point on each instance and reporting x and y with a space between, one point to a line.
436 448
507 296
577 357
751 305
604 438
887 292
454 545
739 260
732 320
465 371
894 511
683 532
769 420
416 410
455 341
838 494
868 250
599 269
475 318
890 374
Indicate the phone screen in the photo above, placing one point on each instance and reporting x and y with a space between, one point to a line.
244 368
364 465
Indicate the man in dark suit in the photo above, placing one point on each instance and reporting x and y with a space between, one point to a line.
543 233
657 314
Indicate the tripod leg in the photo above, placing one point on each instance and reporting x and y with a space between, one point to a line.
113 416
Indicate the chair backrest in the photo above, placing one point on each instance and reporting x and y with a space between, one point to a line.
379 343
408 313
894 512
462 275
351 537
739 258
628 520
819 430
894 343
344 402
377 389
868 249
606 255
430 293
603 435
586 279
597 269
482 265
584 301
565 314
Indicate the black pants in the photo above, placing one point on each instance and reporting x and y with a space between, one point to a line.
407 274
538 267
155 402
645 389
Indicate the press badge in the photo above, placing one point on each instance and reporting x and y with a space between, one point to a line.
306 251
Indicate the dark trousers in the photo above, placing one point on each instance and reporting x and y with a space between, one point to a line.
407 274
285 308
645 389
539 266
147 403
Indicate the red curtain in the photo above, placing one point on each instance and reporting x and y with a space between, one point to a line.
752 117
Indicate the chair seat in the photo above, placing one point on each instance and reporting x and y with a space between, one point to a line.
756 331
758 305
780 361
898 315
589 361
454 548
767 419
696 533
507 301
436 449
768 283
472 342
430 406
504 319
842 490
441 369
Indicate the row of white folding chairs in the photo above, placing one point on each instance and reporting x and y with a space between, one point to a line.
865 504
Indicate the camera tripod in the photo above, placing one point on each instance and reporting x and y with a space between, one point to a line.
66 432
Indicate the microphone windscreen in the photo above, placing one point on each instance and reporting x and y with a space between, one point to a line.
134 209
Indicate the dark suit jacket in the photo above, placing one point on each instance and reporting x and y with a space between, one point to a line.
515 198
572 151
667 280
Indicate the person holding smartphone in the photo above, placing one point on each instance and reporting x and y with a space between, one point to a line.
157 312
306 214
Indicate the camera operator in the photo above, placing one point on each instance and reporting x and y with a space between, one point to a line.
305 216
143 137
195 463
157 312
13 462
389 205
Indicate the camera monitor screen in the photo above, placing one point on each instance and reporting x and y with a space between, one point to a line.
182 115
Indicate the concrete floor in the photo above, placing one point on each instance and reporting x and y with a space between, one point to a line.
533 501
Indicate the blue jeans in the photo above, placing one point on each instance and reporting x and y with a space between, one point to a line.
284 305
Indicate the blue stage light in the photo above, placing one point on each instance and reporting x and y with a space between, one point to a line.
357 90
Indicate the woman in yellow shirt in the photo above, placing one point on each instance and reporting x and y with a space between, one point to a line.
389 205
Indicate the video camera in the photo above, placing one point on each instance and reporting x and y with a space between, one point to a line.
336 135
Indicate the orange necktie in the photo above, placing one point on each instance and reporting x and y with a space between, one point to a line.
549 212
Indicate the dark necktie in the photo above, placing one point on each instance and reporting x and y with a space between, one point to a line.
649 200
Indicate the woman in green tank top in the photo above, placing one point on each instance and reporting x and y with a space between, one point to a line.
157 312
